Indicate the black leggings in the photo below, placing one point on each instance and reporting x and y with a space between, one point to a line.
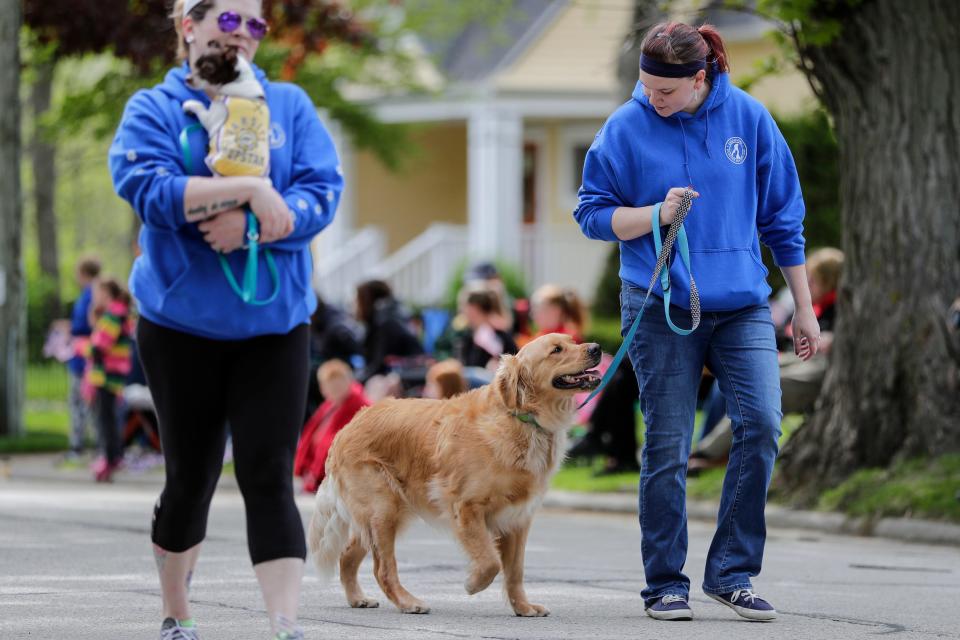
199 385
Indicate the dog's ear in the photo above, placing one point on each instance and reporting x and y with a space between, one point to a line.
511 382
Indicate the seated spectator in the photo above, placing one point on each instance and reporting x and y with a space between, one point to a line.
800 380
388 333
343 399
482 344
444 380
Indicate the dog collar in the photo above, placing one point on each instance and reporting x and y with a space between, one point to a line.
529 418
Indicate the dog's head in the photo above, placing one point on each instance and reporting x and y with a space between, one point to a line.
215 69
547 371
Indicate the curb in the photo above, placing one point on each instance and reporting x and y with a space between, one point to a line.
904 529
42 467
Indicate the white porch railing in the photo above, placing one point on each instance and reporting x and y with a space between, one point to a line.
562 255
420 271
337 275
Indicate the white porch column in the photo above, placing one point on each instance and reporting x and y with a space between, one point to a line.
495 183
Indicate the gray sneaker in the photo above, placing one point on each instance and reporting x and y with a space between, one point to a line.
171 630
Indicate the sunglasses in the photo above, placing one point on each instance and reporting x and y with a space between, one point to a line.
230 21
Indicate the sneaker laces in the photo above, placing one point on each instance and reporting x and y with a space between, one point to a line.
670 599
289 630
748 595
179 633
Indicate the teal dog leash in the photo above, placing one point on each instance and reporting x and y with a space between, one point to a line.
248 291
676 234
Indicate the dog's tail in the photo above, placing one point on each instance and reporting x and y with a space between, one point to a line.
329 531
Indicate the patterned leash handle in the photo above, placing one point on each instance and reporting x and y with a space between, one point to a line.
686 201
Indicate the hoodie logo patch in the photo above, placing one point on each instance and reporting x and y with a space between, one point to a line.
736 150
278 137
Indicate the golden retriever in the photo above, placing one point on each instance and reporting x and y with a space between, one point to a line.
479 462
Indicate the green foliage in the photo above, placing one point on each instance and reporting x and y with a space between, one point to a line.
606 300
34 441
39 313
921 488
46 383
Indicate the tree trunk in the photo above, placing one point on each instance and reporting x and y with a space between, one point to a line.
43 154
12 299
891 80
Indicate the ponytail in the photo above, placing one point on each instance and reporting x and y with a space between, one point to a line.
718 52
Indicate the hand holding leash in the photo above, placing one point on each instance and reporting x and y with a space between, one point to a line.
225 231
671 203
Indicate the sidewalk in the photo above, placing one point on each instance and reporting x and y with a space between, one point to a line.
45 467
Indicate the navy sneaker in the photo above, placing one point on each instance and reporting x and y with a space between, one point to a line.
747 604
670 607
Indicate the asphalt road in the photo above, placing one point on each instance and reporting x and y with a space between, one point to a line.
75 563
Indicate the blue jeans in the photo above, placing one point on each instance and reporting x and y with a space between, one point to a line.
739 348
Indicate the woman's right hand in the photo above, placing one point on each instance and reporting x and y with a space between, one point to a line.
276 221
671 204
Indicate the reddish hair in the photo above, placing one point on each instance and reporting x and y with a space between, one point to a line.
679 43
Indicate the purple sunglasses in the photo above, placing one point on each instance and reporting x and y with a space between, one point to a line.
230 21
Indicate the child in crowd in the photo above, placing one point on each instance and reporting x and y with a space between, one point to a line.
108 364
556 309
343 398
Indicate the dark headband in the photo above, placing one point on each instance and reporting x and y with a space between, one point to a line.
670 70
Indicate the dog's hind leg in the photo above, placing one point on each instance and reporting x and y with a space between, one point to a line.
471 530
512 546
383 529
350 561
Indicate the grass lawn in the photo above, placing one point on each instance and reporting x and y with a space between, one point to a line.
46 418
914 488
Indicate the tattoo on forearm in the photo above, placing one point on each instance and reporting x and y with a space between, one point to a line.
204 211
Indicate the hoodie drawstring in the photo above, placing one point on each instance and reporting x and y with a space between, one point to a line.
706 136
686 156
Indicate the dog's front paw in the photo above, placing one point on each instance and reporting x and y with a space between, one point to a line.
529 610
364 603
415 607
481 577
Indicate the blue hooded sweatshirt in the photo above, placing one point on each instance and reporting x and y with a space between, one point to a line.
731 152
178 280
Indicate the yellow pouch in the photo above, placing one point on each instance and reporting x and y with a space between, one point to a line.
242 146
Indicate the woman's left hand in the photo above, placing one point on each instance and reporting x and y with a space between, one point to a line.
806 333
225 231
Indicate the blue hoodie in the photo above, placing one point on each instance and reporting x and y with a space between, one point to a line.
178 281
732 153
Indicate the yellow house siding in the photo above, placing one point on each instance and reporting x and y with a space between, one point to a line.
431 187
578 51
786 93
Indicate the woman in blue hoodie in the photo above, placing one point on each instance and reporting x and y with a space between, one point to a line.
211 358
687 127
